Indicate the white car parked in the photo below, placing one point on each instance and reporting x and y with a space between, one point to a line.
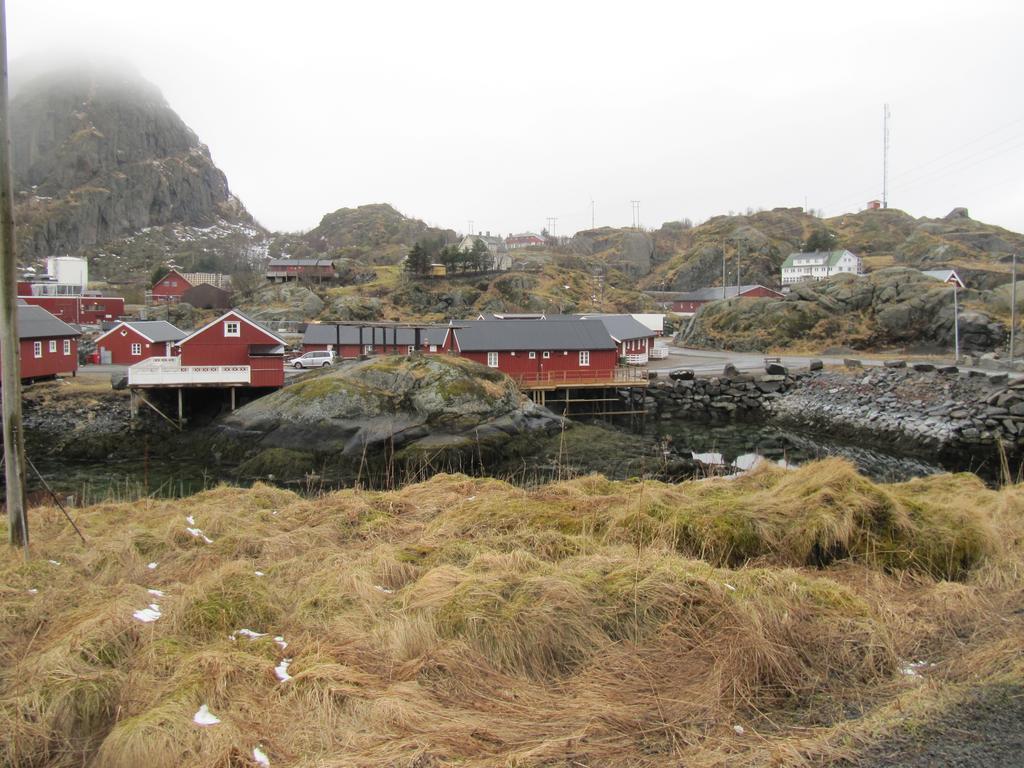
313 360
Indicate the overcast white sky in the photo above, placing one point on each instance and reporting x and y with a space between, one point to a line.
506 114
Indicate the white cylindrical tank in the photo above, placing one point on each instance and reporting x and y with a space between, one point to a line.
68 270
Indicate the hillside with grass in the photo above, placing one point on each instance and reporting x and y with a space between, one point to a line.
687 257
783 618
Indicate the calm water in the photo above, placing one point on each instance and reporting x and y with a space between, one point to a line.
665 449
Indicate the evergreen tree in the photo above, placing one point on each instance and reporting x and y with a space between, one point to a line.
418 260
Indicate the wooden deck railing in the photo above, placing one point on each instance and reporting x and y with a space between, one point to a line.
581 377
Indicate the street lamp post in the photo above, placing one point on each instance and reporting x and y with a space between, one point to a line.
956 327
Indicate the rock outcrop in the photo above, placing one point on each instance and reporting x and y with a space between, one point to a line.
403 410
890 307
98 155
922 409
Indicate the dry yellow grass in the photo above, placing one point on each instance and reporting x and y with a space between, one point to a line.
469 622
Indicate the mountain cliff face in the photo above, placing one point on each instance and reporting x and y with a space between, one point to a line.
98 156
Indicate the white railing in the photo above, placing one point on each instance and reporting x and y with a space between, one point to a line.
636 358
169 371
659 353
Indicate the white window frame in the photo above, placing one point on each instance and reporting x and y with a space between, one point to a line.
37 349
433 347
67 346
411 348
492 359
232 328
53 346
136 349
546 355
584 358
533 355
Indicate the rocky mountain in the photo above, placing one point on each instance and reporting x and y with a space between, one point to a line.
99 157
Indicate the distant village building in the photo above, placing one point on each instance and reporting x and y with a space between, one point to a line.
500 259
64 293
173 285
523 240
819 265
688 302
285 270
874 205
206 296
438 270
133 341
948 276
87 309
47 345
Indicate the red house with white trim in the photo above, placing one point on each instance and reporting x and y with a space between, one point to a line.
235 340
48 346
170 287
556 351
133 341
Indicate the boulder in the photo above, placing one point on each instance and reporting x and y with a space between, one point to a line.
776 369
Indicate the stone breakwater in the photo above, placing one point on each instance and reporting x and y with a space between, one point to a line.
936 411
719 398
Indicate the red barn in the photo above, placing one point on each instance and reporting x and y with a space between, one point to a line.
564 350
48 345
235 340
131 342
170 287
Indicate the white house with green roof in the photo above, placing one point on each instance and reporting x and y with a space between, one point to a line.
818 265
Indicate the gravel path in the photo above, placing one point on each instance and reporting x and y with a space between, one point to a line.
985 731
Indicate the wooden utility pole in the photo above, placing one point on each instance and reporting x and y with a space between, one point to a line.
10 374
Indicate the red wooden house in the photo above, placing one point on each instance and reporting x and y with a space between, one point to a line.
556 351
283 270
635 339
133 341
81 309
47 344
170 287
233 341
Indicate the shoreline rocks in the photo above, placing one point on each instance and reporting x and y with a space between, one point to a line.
920 409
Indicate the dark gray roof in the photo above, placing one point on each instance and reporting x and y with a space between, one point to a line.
157 330
624 327
436 335
501 335
330 333
300 263
36 323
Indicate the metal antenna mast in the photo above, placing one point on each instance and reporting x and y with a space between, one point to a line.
885 157
636 213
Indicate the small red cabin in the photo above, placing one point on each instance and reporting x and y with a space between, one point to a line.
170 287
47 344
131 342
234 339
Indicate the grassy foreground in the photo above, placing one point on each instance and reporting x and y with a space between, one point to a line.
783 618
